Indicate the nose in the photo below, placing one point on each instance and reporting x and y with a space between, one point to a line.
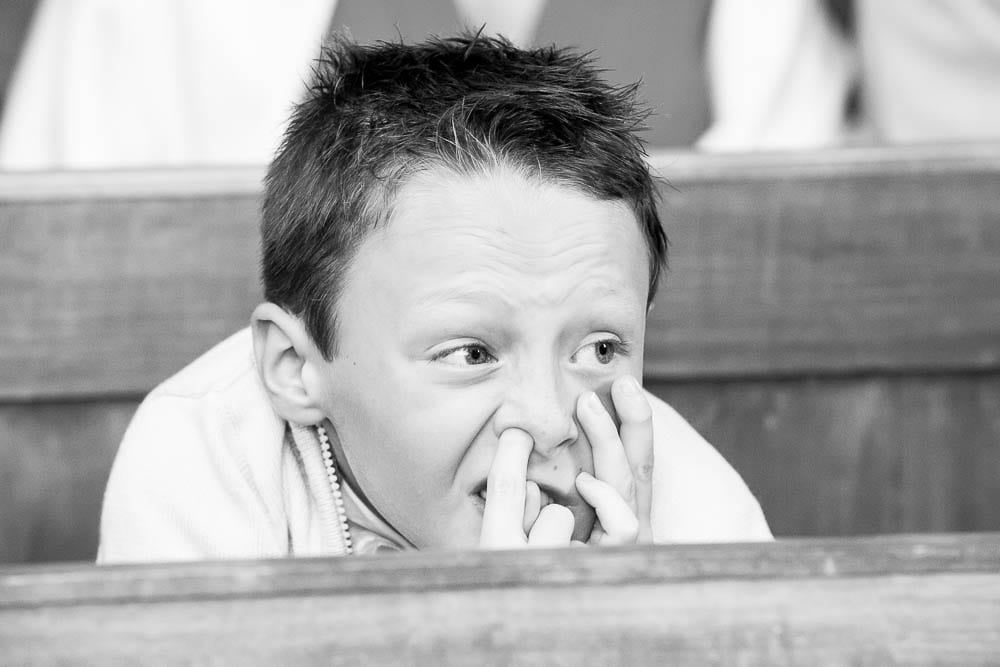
540 402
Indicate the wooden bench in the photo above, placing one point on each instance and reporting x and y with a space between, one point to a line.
831 322
932 599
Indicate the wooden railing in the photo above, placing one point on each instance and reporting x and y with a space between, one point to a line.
903 600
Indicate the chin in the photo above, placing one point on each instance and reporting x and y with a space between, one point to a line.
460 531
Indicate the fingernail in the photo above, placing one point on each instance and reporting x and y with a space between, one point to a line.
631 386
594 403
584 477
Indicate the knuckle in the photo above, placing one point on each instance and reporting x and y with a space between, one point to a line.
629 491
643 471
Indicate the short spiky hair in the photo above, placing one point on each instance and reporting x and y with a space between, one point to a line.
376 115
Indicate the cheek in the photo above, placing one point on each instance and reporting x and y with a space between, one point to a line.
416 463
411 439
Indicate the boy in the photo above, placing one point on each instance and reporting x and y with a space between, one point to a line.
460 243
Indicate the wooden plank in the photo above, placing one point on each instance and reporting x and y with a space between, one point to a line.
54 464
850 456
839 263
833 263
74 583
110 296
930 599
832 456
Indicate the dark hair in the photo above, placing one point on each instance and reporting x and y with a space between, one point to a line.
376 115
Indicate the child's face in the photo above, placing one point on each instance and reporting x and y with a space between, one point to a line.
485 303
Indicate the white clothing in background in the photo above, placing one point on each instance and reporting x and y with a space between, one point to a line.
515 19
779 74
121 83
931 69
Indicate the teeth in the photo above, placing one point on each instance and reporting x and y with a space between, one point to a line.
544 497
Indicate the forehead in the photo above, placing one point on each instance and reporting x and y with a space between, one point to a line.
454 224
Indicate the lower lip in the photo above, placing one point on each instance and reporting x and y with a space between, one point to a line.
480 502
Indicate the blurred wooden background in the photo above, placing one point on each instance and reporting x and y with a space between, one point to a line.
831 322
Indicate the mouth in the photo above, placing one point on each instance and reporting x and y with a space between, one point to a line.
549 495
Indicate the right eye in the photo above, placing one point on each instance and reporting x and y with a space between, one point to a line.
470 354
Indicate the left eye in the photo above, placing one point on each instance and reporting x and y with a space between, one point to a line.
603 351
466 355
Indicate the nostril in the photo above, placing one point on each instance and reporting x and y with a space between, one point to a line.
543 407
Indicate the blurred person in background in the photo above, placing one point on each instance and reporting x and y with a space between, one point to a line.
113 83
791 74
119 84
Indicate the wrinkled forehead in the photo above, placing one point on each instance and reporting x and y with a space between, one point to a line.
504 222
493 199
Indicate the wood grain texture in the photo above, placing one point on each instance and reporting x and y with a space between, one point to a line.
831 268
635 605
54 464
833 263
827 456
110 297
854 456
75 583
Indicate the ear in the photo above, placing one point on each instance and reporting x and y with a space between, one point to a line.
286 358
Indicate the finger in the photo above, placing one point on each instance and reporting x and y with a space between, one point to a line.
596 534
532 505
553 527
637 439
616 518
503 516
610 462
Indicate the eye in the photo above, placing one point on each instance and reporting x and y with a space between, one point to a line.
603 351
471 354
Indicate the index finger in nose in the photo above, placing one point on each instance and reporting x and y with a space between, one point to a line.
503 516
637 439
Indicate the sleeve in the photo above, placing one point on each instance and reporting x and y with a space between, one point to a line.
697 495
177 492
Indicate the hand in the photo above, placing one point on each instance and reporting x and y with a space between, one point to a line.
621 489
512 518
